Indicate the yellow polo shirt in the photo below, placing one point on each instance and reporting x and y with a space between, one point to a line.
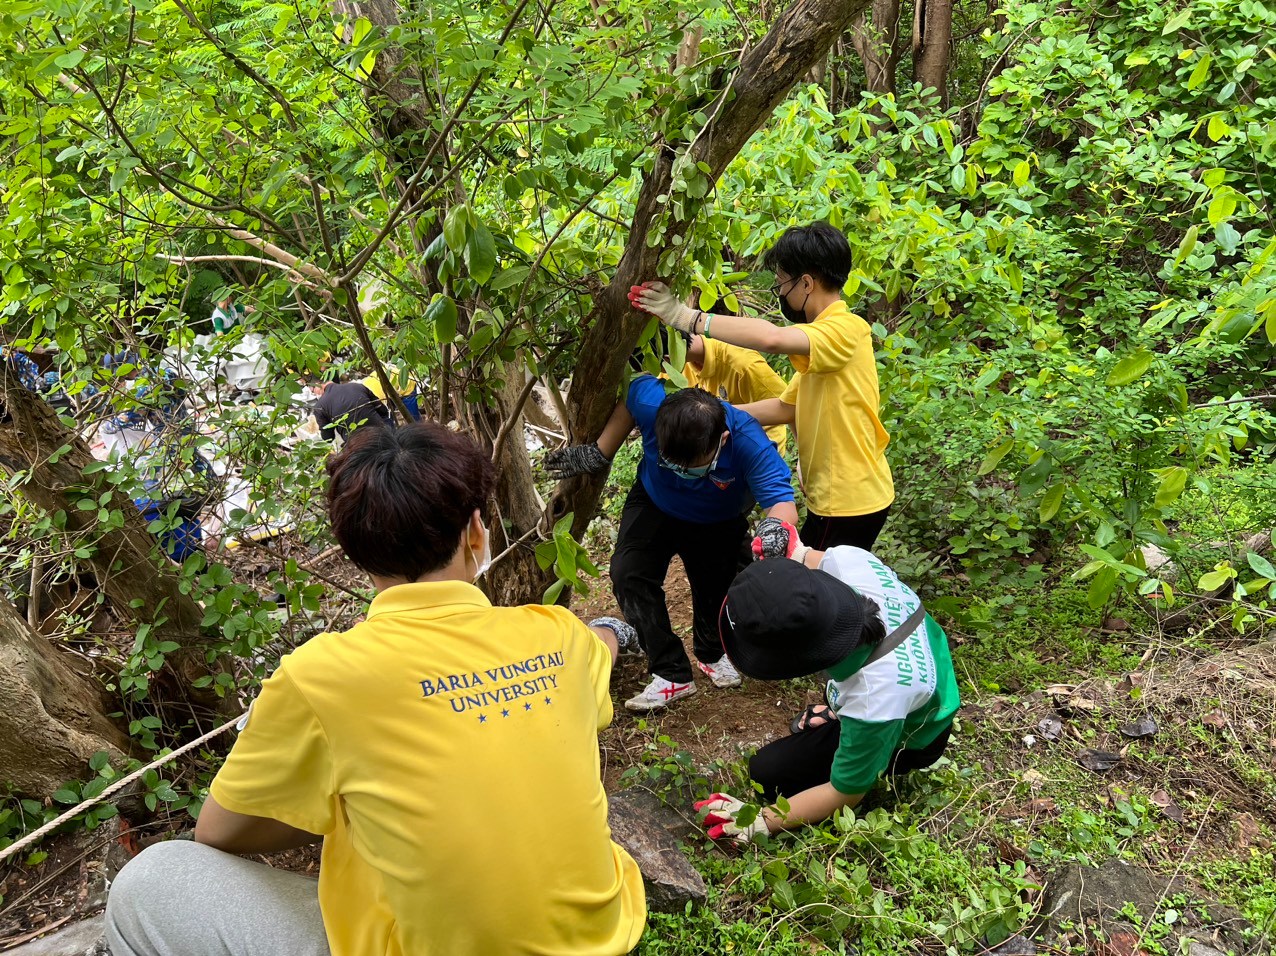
447 750
841 441
739 376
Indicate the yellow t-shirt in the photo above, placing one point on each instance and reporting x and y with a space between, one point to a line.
841 441
373 384
739 376
447 750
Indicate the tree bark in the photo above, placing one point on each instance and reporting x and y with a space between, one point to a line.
123 559
875 36
932 38
52 717
797 40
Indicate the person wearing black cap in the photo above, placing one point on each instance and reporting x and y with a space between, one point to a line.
891 682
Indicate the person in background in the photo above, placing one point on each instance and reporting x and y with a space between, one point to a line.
738 376
892 691
408 393
833 400
344 406
22 366
226 314
176 486
703 465
403 744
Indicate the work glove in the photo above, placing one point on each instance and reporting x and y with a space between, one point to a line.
655 297
776 538
626 636
722 810
576 460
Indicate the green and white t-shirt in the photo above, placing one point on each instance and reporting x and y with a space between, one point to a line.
903 701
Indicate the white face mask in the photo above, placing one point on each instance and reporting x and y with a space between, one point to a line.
485 562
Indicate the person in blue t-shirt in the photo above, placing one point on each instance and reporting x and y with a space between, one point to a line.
704 463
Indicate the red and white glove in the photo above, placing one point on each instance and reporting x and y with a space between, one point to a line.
775 538
655 297
721 811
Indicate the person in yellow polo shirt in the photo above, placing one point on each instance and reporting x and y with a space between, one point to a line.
735 375
833 401
444 750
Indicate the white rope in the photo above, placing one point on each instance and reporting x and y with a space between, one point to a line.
36 835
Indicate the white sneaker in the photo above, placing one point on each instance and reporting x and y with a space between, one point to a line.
722 672
660 693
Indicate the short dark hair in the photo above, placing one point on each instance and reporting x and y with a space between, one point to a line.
817 250
874 630
689 425
399 498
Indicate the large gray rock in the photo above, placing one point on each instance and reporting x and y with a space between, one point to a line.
650 830
1086 898
79 939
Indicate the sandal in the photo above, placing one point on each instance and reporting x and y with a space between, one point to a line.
820 712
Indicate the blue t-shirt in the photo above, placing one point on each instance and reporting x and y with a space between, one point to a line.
749 464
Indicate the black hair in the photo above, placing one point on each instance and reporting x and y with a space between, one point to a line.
817 250
689 426
874 630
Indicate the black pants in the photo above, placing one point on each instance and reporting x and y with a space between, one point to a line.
859 531
801 761
647 542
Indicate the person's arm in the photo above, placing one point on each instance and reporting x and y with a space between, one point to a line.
615 431
758 334
695 351
327 430
234 832
786 511
770 411
810 806
606 635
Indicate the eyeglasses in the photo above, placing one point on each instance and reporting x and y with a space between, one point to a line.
778 291
692 472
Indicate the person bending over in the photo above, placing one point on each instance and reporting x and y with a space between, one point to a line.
344 406
444 750
832 401
891 682
703 464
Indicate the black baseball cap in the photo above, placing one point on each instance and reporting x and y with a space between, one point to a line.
782 620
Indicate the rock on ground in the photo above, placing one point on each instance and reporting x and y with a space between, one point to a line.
78 939
1082 902
649 830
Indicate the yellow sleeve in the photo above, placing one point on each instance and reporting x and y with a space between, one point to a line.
281 766
790 394
833 344
600 674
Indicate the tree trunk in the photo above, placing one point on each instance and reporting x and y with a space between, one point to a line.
932 38
123 558
52 718
797 40
875 36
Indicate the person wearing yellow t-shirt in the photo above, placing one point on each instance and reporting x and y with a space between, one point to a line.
444 750
735 375
409 394
833 400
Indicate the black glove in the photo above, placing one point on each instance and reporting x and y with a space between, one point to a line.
774 538
576 460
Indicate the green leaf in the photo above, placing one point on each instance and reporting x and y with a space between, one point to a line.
553 591
1130 368
455 228
1022 172
1213 580
70 60
1173 481
1199 74
480 254
441 314
1221 206
993 458
1217 127
1050 502
1101 587
1261 565
1186 245
1177 22
66 796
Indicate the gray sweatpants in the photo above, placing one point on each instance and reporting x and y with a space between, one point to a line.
182 898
